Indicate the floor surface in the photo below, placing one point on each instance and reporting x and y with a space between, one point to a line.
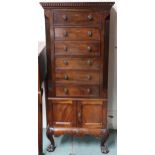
87 145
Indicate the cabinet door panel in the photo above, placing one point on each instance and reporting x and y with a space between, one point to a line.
92 114
63 113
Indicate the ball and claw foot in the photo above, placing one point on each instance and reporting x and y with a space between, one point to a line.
104 149
51 148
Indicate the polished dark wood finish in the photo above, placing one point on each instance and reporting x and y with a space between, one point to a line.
77 39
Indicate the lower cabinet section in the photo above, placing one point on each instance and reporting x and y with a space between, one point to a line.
92 114
83 114
63 113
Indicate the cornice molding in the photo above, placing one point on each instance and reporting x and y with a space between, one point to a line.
105 5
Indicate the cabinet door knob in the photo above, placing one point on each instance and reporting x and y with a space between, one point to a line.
65 48
65 90
90 34
66 77
65 17
89 48
90 17
88 77
65 34
89 62
88 90
77 131
65 62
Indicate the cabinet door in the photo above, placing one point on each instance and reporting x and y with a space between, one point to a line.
63 113
92 114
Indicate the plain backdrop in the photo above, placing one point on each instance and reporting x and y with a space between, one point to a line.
19 35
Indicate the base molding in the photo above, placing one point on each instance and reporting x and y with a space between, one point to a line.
74 131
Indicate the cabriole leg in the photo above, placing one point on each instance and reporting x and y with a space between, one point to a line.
52 146
104 146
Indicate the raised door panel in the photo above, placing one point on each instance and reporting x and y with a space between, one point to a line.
92 114
64 112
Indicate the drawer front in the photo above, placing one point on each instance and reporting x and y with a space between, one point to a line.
77 91
77 63
76 18
69 48
77 77
77 34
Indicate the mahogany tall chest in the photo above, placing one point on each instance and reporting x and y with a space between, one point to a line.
77 45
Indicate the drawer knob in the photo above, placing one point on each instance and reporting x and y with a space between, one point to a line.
66 77
65 62
65 34
90 34
88 77
65 17
65 90
88 90
65 48
90 17
89 62
89 48
79 115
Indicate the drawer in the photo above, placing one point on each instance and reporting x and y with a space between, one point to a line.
77 77
77 34
77 91
76 18
77 48
77 63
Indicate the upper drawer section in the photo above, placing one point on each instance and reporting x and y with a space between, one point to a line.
76 18
77 34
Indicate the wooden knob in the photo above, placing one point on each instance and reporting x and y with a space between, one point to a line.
66 77
65 34
65 17
90 17
88 77
79 114
65 90
89 48
89 62
65 48
88 90
77 131
90 34
65 62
